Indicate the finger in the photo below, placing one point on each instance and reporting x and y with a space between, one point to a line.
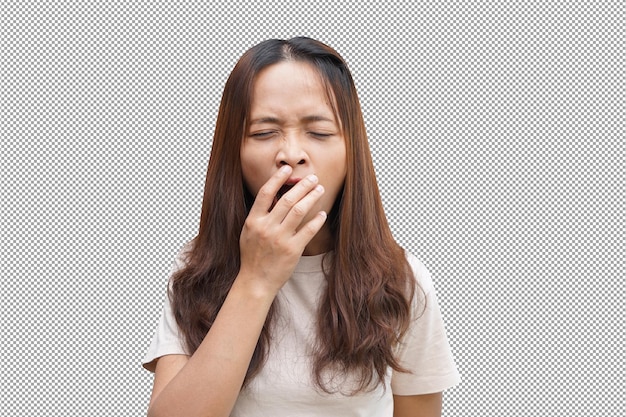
310 229
265 197
293 196
302 208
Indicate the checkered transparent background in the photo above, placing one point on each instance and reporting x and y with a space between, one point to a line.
497 130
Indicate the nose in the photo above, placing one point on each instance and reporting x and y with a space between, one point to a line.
291 152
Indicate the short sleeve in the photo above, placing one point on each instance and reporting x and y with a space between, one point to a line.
167 339
424 349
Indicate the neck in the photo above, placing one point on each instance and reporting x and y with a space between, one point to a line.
321 243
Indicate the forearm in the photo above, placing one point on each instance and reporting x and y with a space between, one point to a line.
427 405
209 383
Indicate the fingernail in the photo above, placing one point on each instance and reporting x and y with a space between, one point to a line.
319 189
285 169
312 178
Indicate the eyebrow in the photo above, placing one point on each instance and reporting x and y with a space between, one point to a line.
308 119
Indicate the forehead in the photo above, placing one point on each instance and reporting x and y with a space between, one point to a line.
290 87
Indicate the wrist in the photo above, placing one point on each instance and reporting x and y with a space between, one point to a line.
254 288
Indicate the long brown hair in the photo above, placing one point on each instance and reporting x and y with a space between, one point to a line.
366 307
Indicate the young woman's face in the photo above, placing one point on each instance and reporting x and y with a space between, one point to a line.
292 122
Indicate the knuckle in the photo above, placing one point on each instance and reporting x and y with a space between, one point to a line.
290 201
264 193
311 227
248 224
309 231
254 226
298 210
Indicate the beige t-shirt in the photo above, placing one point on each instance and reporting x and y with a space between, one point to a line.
284 387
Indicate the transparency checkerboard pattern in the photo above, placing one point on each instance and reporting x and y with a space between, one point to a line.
497 130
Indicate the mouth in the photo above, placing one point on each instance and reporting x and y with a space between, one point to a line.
281 192
284 189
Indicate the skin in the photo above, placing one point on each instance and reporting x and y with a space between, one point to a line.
293 134
292 123
208 382
427 405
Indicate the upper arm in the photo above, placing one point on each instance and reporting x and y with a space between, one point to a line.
427 405
166 369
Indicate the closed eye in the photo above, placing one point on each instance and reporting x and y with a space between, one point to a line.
262 135
320 135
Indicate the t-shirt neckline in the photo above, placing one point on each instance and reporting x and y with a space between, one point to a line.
311 263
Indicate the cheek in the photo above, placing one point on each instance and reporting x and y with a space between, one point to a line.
337 167
251 179
256 167
335 178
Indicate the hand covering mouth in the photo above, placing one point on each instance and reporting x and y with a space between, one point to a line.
283 190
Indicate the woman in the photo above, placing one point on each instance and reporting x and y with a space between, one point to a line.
294 299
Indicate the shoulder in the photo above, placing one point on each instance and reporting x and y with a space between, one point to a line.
421 273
